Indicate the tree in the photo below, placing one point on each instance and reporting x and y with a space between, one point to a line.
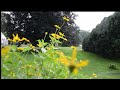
105 38
4 22
33 25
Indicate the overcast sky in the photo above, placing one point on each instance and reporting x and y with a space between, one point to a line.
89 20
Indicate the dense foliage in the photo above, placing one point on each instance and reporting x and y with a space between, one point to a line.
105 38
33 25
4 22
82 35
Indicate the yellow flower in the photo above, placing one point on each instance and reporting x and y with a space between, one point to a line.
28 40
56 36
13 74
74 52
33 47
24 39
94 75
57 26
5 50
61 34
72 64
65 39
46 33
13 35
40 45
75 70
16 38
82 63
9 39
20 49
66 19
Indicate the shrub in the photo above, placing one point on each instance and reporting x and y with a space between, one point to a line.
113 66
105 38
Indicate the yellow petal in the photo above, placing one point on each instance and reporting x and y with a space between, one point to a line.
66 19
61 34
82 63
58 37
74 52
57 26
75 71
46 33
17 36
13 35
40 45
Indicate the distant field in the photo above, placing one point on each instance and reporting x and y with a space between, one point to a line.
98 65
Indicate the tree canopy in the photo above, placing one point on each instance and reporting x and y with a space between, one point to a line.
33 25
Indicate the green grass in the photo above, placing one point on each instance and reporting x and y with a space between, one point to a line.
97 64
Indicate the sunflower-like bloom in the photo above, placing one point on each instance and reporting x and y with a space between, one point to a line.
16 38
66 19
61 34
55 36
72 64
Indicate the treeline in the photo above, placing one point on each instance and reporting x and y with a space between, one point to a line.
105 38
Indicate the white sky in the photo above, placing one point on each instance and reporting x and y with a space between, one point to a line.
89 20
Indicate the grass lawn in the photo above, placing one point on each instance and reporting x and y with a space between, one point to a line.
97 64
